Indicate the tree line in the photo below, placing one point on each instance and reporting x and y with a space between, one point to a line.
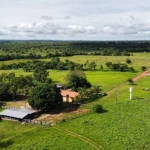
60 54
41 92
56 64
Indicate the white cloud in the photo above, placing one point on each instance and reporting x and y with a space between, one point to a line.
132 17
74 19
67 17
129 29
47 18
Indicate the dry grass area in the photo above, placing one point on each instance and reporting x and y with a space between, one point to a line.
17 104
62 115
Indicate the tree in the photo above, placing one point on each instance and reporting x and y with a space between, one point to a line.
97 108
143 68
86 64
45 97
12 91
76 79
128 61
92 65
11 76
40 74
131 69
4 88
130 80
101 67
109 65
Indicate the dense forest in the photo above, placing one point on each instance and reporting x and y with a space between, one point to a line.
47 49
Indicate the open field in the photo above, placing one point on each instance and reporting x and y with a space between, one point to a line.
124 125
16 136
138 60
106 79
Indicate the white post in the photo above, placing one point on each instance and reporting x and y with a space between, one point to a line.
131 90
130 95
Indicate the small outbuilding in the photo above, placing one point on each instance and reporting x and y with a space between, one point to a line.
18 114
69 96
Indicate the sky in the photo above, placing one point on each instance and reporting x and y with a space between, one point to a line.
100 20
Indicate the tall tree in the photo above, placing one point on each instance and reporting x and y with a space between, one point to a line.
92 65
76 79
4 88
45 97
40 74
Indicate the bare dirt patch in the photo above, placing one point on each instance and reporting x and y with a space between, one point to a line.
62 115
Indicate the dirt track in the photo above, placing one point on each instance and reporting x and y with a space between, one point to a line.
141 75
134 79
80 137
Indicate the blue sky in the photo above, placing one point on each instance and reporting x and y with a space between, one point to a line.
75 20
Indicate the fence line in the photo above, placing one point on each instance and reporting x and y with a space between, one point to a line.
7 107
53 122
48 123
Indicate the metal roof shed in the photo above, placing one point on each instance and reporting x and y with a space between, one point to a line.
17 113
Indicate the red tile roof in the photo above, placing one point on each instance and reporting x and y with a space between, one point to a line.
72 94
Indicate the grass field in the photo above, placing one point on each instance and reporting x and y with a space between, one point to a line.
106 79
126 123
138 60
16 136
124 126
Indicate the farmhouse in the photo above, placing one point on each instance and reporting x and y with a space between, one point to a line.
18 114
69 96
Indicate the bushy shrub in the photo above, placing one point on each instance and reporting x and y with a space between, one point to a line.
97 108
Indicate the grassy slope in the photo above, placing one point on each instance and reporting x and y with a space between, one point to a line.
126 123
20 137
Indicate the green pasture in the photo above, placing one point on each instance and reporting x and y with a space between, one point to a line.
137 59
16 136
17 72
105 79
108 79
124 125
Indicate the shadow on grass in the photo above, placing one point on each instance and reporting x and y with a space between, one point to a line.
104 111
6 144
134 84
137 98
